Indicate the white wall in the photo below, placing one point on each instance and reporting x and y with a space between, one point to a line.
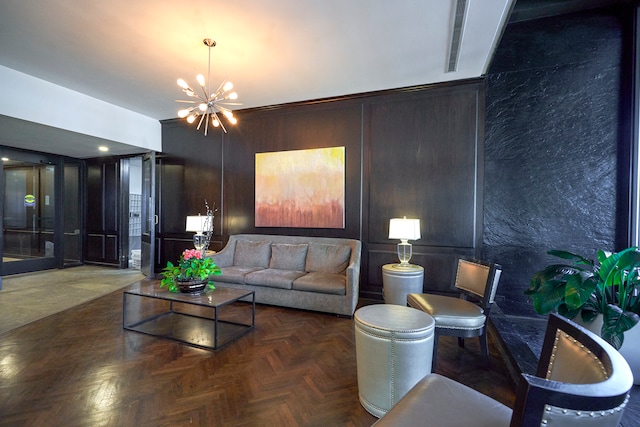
35 100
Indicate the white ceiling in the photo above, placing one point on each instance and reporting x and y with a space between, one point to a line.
131 52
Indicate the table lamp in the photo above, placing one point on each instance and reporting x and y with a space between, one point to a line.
404 229
196 223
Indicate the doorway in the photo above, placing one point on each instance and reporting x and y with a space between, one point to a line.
31 216
135 212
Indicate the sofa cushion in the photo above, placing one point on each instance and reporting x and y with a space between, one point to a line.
288 257
324 283
252 254
325 258
233 274
273 278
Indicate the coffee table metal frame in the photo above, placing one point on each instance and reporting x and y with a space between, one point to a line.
182 326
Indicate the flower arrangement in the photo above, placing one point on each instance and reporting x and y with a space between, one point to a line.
191 266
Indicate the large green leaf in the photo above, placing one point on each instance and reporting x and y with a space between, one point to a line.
565 311
615 323
577 259
549 296
578 291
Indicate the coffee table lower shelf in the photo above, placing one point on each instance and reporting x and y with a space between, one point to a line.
176 323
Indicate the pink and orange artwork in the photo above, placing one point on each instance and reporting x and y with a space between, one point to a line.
301 188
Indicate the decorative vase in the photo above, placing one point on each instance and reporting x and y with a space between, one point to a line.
630 349
191 286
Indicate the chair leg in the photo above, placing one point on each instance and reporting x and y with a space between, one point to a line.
435 352
484 346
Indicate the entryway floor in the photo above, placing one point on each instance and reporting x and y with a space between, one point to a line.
32 296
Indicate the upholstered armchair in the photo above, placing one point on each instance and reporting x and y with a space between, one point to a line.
464 316
580 381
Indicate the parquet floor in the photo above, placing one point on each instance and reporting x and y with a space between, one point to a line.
297 368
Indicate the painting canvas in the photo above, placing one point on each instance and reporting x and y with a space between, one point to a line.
301 188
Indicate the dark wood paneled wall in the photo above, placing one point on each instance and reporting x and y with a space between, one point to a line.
414 152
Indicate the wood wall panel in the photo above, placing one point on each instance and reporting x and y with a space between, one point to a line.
311 126
188 172
423 157
414 152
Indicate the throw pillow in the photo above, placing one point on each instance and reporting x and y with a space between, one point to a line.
290 257
327 258
252 254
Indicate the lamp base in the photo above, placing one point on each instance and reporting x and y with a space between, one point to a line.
199 241
405 252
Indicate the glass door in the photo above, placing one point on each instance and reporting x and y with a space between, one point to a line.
30 215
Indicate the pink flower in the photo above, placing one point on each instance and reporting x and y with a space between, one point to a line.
191 253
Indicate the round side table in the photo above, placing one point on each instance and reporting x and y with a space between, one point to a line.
398 282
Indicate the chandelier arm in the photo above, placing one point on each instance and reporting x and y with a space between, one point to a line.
221 124
200 122
220 121
206 124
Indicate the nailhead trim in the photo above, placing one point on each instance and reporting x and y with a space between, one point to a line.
571 413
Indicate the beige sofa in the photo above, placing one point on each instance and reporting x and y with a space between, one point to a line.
311 273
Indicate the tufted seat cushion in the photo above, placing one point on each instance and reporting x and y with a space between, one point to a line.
448 312
273 278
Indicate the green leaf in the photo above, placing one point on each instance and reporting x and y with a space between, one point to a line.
577 291
615 323
577 259
549 296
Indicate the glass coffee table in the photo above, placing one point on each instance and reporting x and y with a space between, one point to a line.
209 320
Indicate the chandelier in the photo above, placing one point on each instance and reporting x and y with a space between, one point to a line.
208 105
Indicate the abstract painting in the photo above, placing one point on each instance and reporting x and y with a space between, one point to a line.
301 188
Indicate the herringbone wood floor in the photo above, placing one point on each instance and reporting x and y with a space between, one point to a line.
297 368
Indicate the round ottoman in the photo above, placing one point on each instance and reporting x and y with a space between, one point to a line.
394 350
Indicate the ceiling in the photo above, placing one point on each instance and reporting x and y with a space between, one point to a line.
131 52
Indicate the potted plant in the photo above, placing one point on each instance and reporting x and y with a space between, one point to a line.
191 274
608 287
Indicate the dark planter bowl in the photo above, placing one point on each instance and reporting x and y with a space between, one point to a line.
192 286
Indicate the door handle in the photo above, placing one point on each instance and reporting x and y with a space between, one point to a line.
155 218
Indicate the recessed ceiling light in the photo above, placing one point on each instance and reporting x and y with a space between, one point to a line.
103 148
5 159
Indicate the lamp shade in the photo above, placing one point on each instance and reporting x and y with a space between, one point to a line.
195 223
404 229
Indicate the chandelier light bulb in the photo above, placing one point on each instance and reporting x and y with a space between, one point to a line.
232 95
215 122
233 120
228 114
184 113
227 86
200 79
202 107
183 84
191 119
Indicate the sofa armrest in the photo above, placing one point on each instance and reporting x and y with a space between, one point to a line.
353 274
224 258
